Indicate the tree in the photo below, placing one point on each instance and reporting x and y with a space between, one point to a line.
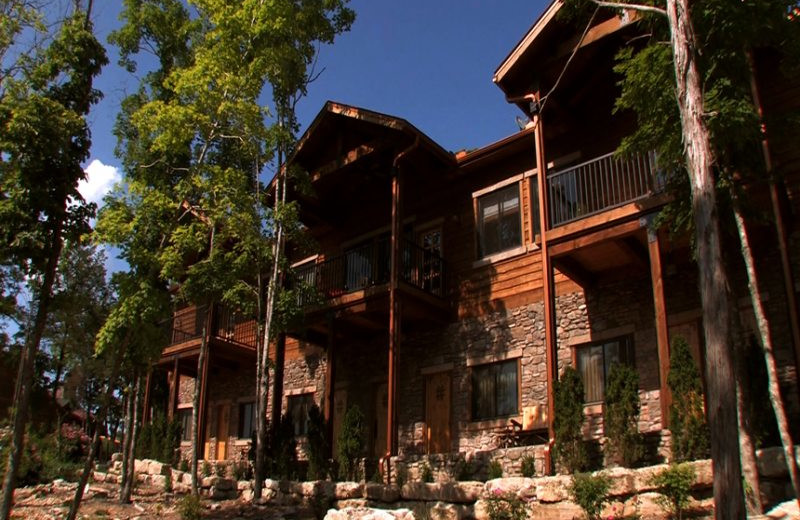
621 418
568 397
45 139
686 415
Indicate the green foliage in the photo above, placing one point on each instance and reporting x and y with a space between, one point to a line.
206 469
167 472
762 418
219 470
401 474
282 450
242 470
505 505
464 470
316 449
590 492
47 456
426 473
190 508
674 484
495 470
183 465
690 435
159 440
621 418
350 443
528 466
570 450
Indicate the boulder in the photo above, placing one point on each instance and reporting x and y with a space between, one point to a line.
455 492
772 463
621 481
348 490
140 466
382 493
155 468
550 490
507 485
366 513
116 457
446 511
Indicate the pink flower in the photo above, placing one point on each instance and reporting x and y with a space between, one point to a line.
498 491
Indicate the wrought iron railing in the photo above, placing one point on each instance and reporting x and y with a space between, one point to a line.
601 184
370 265
187 324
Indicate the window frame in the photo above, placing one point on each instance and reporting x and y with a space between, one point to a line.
241 434
627 355
494 189
183 414
308 399
495 367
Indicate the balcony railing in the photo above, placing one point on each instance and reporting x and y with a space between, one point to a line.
370 265
187 324
601 184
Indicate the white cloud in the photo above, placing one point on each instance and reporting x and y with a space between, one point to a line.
100 179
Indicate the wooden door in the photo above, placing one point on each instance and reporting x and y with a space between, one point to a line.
339 409
437 412
381 415
223 417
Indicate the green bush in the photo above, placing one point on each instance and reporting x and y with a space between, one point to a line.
219 469
674 484
206 471
190 508
426 473
183 465
316 449
495 470
281 449
45 457
622 415
401 474
159 440
464 470
528 466
350 443
242 470
590 493
690 435
167 472
569 447
505 505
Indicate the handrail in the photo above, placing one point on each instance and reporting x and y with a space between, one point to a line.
600 184
187 324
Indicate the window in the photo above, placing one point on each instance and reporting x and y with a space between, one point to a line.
299 405
537 231
494 390
499 225
185 417
247 420
595 361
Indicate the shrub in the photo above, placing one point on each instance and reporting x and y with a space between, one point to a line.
426 473
183 465
167 472
505 505
316 448
690 436
242 470
350 443
569 449
495 470
206 471
189 508
528 466
219 469
282 450
674 484
622 415
464 470
159 440
401 474
590 492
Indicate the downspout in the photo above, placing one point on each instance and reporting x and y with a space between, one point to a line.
394 308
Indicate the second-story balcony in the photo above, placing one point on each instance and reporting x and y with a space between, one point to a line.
601 184
368 266
188 324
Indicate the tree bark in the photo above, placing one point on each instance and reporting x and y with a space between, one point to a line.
129 477
722 418
22 389
769 352
126 441
99 420
196 433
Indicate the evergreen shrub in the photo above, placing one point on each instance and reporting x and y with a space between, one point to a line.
590 492
622 415
350 443
690 435
316 449
570 449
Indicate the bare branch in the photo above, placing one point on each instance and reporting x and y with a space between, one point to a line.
635 7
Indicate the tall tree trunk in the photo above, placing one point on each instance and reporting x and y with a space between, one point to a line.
728 495
769 352
99 420
126 442
22 389
196 404
129 476
59 366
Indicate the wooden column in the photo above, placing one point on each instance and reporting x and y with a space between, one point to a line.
548 286
277 381
330 374
662 330
203 375
394 314
146 409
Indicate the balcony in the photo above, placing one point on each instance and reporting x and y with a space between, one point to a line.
186 328
601 184
368 266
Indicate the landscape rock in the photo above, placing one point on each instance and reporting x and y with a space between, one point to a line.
382 493
550 490
347 490
365 513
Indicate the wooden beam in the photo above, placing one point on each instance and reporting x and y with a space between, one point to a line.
347 158
619 230
594 34
662 328
203 375
574 271
277 380
174 389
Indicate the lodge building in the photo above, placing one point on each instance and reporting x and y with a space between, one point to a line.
455 287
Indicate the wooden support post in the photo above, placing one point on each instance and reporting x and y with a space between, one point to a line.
277 380
394 317
203 375
662 330
146 409
549 293
330 374
174 389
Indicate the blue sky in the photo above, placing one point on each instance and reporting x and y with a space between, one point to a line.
430 62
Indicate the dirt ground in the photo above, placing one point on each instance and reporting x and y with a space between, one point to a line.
51 502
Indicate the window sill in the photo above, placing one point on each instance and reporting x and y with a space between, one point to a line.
498 257
488 424
241 442
593 408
